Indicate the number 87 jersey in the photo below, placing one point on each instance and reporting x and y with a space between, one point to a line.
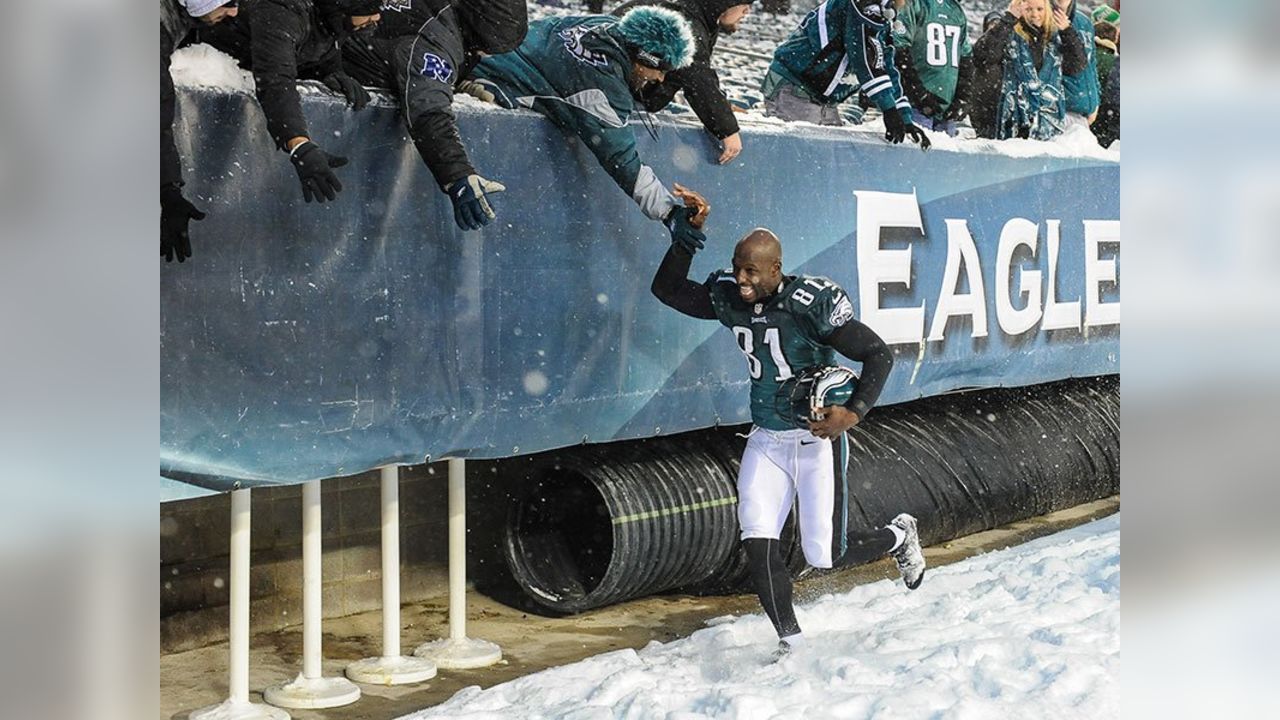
782 335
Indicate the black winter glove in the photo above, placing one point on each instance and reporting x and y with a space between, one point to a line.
896 129
956 112
684 234
348 87
471 208
314 168
175 212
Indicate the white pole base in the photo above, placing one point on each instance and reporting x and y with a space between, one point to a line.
235 710
313 693
400 670
460 654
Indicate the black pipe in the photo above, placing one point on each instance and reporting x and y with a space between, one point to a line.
600 524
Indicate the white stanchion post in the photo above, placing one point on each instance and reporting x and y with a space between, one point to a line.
392 668
237 706
311 690
458 651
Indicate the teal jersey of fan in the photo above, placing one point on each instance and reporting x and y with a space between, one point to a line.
936 33
780 336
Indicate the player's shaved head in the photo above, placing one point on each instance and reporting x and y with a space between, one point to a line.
757 264
761 246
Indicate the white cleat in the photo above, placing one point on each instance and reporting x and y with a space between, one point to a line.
908 556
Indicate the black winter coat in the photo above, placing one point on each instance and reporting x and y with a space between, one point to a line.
1107 126
699 81
392 56
281 42
175 26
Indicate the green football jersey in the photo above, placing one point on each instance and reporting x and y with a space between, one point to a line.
936 33
782 336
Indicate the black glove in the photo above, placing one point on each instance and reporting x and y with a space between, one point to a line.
314 167
471 208
895 129
956 112
683 234
348 87
175 211
918 135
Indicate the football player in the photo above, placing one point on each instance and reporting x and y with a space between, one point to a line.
788 325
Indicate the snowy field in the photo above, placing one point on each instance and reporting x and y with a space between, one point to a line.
1028 632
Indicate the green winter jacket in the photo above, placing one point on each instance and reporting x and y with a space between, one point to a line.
575 71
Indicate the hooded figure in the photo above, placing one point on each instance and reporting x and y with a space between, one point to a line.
422 49
585 73
281 42
699 81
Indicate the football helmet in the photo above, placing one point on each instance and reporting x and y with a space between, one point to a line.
803 397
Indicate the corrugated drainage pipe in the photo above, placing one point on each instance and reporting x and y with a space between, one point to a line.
602 525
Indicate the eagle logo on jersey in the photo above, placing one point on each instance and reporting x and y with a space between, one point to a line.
841 313
876 51
397 5
573 43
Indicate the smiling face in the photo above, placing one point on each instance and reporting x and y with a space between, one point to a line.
642 76
757 265
1035 12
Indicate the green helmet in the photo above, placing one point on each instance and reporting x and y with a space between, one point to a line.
803 397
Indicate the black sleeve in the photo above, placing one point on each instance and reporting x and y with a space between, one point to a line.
989 50
909 77
964 83
673 287
170 165
275 33
1107 126
428 97
859 342
701 88
1074 58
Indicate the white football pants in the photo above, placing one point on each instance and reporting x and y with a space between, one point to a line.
779 467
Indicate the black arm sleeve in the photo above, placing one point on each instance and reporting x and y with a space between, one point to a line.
964 82
989 50
1107 126
859 342
673 287
276 32
428 97
701 88
170 166
910 79
1074 58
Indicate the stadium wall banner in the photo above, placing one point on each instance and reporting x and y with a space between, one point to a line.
306 341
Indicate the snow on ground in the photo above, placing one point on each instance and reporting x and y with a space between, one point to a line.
1027 632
